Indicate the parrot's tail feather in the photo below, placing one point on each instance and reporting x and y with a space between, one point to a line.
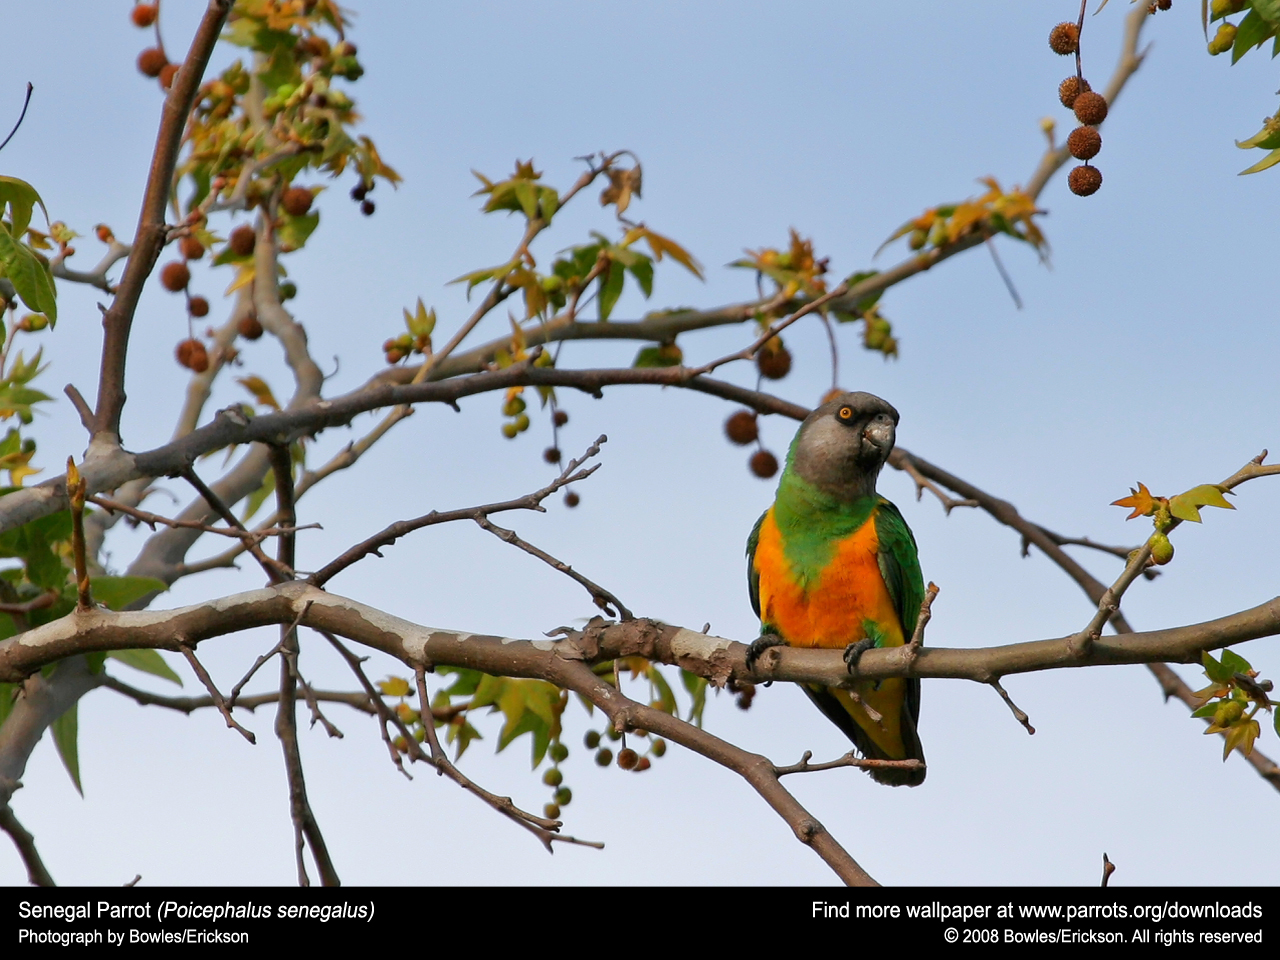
837 714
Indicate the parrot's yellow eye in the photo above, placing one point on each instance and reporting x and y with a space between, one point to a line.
846 413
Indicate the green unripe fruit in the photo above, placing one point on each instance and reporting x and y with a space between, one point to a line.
658 747
559 752
563 796
918 239
288 290
1161 549
522 422
613 734
604 757
1223 40
553 777
551 811
509 430
513 407
1228 712
592 739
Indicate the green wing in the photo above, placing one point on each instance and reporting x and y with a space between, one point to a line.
900 566
753 578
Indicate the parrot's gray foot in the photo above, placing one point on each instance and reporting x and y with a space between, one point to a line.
853 652
759 646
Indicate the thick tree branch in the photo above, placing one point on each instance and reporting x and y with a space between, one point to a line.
152 234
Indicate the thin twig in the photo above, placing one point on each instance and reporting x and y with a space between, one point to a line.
239 533
188 705
21 117
1022 717
37 873
850 759
599 595
221 704
392 533
275 570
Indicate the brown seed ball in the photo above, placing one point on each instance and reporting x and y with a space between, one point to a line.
571 499
249 327
559 418
1064 38
151 61
741 428
627 759
175 276
1090 108
242 240
296 201
367 207
764 464
143 15
551 455
191 248
1084 180
198 306
167 73
1084 143
773 364
358 191
1071 88
1164 4
192 355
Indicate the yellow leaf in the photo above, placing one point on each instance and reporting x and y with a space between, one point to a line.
244 276
261 392
1240 737
661 245
394 686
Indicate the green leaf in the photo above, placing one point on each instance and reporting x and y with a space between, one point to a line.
611 289
148 661
20 197
697 687
869 301
1270 160
1208 710
1185 506
666 355
1214 670
1233 663
64 731
527 196
1252 32
29 276
1268 138
1269 10
295 231
665 695
256 499
642 270
118 592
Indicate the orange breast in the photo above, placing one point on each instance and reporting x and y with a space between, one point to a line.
830 611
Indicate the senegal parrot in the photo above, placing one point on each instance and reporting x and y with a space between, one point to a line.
832 564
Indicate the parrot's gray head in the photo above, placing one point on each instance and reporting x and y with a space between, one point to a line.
843 444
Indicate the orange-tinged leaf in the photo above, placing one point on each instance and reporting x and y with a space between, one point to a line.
662 245
1143 503
260 390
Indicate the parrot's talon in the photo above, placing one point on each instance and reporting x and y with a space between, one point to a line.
854 651
759 646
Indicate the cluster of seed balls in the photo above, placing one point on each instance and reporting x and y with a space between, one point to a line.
1090 109
773 361
175 277
152 61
